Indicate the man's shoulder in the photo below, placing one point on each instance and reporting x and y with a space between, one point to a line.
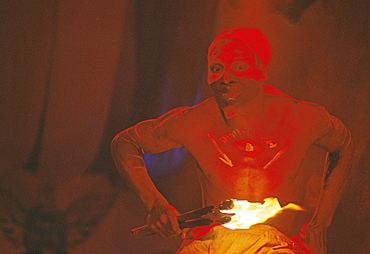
199 108
274 92
280 97
301 107
186 113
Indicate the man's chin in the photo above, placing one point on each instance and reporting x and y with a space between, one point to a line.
225 100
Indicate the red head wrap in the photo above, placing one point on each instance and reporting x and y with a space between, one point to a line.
251 37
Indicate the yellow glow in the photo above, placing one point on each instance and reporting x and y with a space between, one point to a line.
248 214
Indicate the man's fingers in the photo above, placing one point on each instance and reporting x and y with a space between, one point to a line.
174 225
164 221
184 233
171 225
166 226
155 227
164 229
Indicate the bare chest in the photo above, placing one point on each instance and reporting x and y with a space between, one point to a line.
250 158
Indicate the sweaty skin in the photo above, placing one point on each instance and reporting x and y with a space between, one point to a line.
249 141
254 157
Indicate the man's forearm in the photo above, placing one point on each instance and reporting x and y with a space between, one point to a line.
127 156
335 183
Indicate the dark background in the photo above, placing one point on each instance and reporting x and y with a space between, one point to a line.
75 73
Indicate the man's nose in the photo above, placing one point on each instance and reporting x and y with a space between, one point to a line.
226 77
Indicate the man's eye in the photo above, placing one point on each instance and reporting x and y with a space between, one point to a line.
216 69
240 66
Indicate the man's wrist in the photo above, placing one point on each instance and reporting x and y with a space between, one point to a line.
154 203
318 224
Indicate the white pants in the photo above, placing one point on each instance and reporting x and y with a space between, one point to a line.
258 239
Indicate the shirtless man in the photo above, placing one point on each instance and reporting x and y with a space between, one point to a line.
249 141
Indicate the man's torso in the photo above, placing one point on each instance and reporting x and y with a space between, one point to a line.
256 156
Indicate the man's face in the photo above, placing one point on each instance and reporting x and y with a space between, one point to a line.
232 72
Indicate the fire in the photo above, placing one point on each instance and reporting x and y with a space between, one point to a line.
247 214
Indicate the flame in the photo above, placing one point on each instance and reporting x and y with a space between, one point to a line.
247 214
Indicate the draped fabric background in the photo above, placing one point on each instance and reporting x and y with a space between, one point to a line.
75 73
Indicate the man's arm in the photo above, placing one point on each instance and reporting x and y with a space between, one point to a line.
127 149
337 142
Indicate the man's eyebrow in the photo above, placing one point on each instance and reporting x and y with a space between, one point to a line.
215 59
239 57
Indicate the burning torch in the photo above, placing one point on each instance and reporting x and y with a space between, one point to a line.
231 213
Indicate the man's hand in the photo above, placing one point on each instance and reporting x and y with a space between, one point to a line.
315 237
162 220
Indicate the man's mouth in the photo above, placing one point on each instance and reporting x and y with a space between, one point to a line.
229 92
226 92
